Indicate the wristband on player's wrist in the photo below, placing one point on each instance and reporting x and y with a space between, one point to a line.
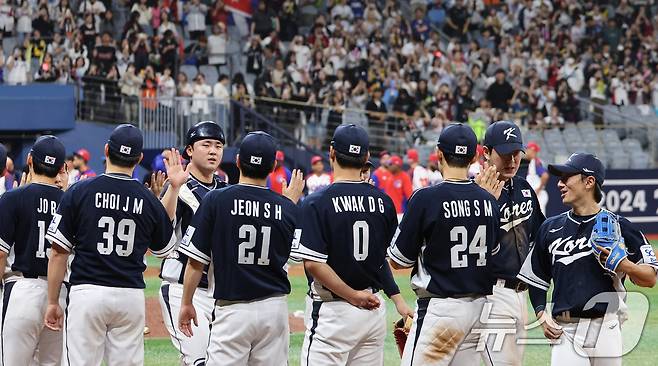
539 308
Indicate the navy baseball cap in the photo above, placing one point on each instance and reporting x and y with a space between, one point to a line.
504 136
351 140
3 158
458 139
580 163
258 149
126 140
49 151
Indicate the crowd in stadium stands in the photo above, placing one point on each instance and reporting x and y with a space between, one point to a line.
526 60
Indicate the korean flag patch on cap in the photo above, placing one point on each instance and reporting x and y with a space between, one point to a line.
256 160
49 160
355 149
125 149
462 150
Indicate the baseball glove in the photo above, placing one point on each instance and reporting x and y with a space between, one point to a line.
606 233
401 329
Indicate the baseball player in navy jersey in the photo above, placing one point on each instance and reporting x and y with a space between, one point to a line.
181 198
108 223
563 253
25 214
244 232
447 236
520 218
342 235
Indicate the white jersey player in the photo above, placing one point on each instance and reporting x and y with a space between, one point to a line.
420 177
318 179
181 198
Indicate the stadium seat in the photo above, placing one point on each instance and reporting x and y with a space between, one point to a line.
631 143
210 72
620 161
640 160
189 70
8 45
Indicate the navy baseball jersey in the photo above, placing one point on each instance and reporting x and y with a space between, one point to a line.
189 198
562 253
520 219
25 214
245 231
348 225
109 222
447 235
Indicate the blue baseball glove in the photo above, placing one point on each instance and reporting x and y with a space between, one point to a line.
606 233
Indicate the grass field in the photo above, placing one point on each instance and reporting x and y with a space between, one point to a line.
160 352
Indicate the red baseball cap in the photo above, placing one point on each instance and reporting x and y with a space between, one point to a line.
280 156
84 154
533 145
412 155
434 157
316 159
395 160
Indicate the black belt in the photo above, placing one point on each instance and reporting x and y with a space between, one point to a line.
576 316
428 295
516 285
200 285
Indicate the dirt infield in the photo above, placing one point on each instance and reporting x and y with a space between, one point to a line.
154 313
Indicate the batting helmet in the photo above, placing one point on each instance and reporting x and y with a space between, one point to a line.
202 131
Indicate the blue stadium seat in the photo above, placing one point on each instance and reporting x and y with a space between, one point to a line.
189 70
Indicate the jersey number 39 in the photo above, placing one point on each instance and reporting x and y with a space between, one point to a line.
125 232
478 245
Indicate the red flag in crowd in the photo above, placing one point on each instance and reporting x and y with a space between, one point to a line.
239 6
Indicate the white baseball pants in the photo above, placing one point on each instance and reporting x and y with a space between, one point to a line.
24 338
441 332
590 342
338 333
507 317
192 349
254 333
104 323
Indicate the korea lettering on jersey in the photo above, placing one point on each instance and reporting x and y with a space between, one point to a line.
562 253
520 219
514 214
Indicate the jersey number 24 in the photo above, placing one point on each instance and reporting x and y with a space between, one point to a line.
478 245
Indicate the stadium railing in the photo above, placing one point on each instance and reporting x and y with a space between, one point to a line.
299 124
167 119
